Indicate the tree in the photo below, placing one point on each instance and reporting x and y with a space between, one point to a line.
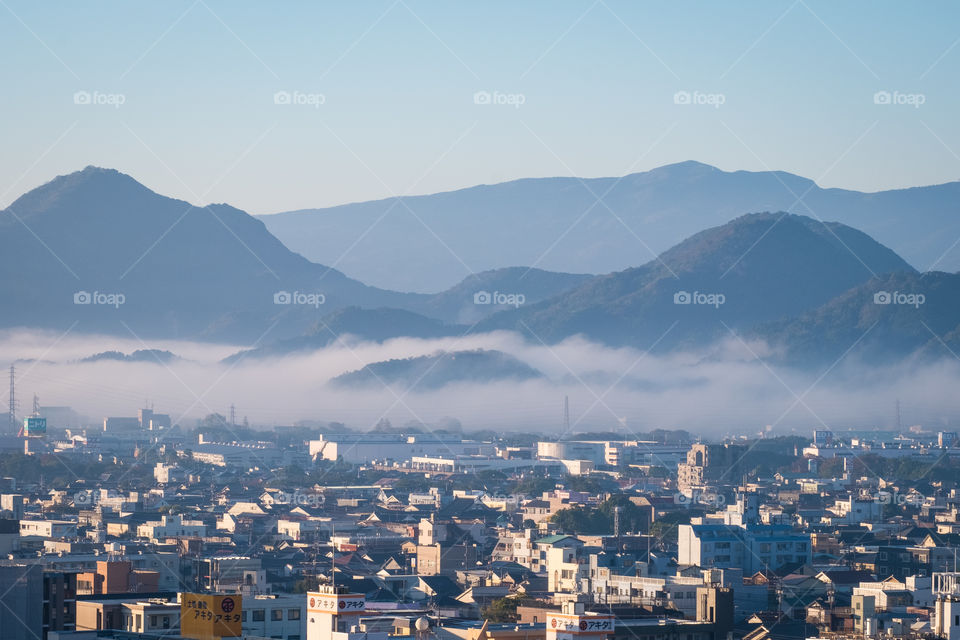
505 609
599 520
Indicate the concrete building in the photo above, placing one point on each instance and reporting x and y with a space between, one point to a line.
48 528
334 614
21 602
364 447
275 616
59 601
709 464
172 526
752 548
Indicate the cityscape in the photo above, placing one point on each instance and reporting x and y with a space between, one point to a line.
418 320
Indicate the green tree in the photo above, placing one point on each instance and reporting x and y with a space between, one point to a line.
505 609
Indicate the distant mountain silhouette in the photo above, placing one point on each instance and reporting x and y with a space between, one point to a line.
179 270
99 249
371 325
438 370
156 356
485 293
558 223
765 266
97 252
885 319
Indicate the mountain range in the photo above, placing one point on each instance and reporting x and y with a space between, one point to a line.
97 252
598 225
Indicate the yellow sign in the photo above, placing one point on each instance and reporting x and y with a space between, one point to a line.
206 616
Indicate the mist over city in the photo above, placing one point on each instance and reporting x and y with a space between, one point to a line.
416 320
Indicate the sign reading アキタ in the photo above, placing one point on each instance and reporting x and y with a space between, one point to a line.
205 616
336 603
562 626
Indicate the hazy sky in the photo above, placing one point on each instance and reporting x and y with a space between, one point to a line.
181 95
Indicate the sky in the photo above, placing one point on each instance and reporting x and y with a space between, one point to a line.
274 107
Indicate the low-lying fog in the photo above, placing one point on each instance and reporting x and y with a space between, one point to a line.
730 389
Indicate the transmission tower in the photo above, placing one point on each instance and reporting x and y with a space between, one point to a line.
566 414
13 398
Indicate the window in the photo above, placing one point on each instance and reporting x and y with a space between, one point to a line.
166 622
258 615
293 614
153 621
243 616
276 614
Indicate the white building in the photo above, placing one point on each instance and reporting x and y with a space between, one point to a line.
334 614
48 528
364 447
172 527
275 616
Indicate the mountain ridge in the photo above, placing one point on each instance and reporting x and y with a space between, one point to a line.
556 224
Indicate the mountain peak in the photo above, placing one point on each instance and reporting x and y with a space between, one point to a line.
86 185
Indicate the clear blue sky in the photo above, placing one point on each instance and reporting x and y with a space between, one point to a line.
597 80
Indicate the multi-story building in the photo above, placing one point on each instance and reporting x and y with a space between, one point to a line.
752 548
48 528
275 616
708 464
21 601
